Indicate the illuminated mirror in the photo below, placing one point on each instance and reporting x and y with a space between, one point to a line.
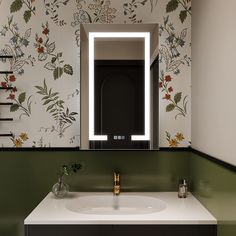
119 86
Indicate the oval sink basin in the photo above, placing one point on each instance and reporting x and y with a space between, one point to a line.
116 205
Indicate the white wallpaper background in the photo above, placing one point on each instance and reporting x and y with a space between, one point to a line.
43 37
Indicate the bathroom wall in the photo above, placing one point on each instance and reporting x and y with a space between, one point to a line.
213 80
26 177
44 38
214 185
213 113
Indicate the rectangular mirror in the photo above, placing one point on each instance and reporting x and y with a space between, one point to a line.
119 86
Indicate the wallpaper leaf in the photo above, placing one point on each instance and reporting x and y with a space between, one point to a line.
14 107
68 69
52 10
55 107
131 7
57 73
185 4
170 107
16 6
20 105
27 34
51 47
50 66
27 16
177 97
172 6
21 97
183 15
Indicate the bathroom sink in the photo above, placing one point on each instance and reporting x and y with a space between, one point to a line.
116 205
103 208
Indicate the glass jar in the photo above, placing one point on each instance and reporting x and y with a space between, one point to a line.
60 189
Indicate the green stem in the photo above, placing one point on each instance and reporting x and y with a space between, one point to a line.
64 129
60 183
6 79
178 108
28 6
23 108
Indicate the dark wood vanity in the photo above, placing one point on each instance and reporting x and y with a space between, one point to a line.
118 230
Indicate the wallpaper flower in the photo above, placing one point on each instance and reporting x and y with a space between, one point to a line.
46 51
44 39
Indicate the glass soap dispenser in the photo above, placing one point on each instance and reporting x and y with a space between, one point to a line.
183 189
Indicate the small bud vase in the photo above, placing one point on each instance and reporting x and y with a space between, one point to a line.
60 189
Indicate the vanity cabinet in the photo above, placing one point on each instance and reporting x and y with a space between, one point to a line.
118 230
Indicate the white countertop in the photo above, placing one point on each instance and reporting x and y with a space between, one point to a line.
177 211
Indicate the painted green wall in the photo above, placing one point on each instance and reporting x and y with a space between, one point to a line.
26 177
215 186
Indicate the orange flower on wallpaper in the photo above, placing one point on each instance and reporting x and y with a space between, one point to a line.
24 136
179 136
19 141
174 142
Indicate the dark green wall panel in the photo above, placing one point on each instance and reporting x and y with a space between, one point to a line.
27 176
215 186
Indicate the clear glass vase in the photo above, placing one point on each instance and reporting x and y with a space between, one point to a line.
60 189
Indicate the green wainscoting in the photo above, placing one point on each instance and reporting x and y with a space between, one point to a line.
27 176
215 186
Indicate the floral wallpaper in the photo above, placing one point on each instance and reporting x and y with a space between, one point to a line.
44 39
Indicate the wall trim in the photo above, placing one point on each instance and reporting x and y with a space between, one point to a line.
32 149
178 149
214 159
48 149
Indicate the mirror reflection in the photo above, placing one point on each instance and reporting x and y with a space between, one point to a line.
119 86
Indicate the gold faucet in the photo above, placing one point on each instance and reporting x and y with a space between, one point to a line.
116 189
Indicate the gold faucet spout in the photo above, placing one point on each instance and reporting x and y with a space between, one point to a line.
116 189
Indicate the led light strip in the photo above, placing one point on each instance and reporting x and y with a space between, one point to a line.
146 36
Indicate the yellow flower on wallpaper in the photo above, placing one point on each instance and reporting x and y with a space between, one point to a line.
179 136
173 142
17 142
24 136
